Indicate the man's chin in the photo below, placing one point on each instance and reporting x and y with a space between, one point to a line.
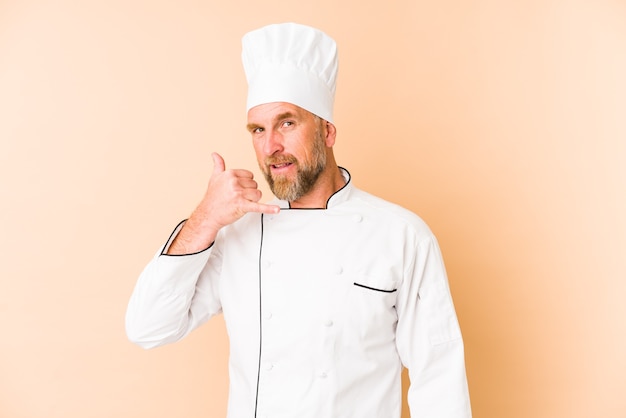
283 180
282 189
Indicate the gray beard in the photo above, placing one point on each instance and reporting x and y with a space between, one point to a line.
286 189
307 175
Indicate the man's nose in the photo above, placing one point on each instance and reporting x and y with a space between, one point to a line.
273 143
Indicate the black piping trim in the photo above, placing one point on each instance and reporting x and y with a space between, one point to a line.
170 238
258 375
342 187
373 288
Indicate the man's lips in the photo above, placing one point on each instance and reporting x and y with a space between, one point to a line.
278 164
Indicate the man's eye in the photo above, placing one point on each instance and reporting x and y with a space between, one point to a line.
257 130
287 123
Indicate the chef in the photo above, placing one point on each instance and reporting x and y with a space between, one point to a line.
327 292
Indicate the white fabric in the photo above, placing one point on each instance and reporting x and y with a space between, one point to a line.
323 307
291 63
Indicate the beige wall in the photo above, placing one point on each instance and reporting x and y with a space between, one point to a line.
502 123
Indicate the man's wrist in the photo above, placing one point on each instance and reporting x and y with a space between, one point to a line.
193 238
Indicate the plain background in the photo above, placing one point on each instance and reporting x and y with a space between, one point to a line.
501 123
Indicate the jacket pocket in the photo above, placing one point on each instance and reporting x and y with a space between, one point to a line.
369 308
376 285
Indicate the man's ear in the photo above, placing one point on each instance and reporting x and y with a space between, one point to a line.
331 133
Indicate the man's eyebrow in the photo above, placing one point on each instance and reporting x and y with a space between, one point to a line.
252 126
286 115
282 116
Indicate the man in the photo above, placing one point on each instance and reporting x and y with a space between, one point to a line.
327 291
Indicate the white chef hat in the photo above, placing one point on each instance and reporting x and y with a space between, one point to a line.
291 63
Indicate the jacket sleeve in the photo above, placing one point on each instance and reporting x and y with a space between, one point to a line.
429 339
173 295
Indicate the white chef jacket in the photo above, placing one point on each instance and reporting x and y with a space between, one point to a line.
323 307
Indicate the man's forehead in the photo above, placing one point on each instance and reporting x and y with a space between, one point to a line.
273 111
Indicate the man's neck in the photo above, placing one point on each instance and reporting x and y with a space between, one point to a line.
327 184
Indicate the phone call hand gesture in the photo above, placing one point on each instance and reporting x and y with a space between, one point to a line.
229 195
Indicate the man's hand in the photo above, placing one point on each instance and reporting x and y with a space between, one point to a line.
229 195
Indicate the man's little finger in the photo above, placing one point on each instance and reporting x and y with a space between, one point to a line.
263 208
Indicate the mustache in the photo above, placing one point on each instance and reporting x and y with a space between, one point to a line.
280 159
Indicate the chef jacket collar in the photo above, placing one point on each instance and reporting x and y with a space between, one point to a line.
335 199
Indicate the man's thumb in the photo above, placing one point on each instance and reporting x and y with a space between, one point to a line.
218 163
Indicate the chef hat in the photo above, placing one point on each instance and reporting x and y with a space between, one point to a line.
291 63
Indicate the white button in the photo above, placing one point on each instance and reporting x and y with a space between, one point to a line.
267 315
357 218
268 366
267 264
338 270
329 323
323 375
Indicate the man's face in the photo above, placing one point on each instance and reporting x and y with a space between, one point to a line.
290 147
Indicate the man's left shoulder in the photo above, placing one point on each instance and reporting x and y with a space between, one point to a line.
372 205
